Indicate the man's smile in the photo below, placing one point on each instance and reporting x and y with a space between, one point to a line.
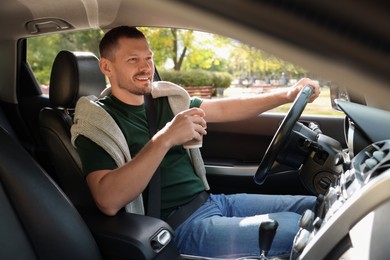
143 78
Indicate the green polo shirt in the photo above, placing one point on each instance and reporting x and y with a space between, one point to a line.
179 183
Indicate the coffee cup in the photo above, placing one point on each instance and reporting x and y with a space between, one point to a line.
194 143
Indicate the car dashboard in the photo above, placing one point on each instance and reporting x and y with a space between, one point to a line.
350 220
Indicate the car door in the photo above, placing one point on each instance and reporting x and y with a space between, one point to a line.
232 152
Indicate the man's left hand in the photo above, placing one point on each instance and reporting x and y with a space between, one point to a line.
296 88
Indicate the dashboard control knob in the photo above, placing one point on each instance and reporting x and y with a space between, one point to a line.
331 196
301 240
306 221
319 207
320 198
317 223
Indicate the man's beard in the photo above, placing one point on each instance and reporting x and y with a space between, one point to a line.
147 85
139 91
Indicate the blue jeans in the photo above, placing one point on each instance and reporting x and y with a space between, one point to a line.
228 225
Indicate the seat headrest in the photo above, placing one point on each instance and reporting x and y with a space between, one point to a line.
73 75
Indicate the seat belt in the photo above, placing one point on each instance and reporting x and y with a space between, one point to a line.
153 198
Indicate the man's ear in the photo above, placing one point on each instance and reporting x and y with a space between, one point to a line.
105 67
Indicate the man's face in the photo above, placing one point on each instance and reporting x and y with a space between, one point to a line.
133 66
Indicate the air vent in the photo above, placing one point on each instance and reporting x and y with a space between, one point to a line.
373 160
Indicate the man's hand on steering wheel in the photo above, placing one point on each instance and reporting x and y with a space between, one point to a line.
297 87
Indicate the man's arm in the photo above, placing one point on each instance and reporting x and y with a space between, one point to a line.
233 109
113 189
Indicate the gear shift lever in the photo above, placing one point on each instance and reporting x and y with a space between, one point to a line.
267 232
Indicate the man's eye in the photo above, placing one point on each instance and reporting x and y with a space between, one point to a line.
132 60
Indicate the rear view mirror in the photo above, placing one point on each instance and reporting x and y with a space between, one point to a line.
337 92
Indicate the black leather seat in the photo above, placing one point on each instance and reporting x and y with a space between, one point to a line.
36 220
74 74
5 124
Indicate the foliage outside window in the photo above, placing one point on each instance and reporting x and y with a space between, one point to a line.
197 77
42 50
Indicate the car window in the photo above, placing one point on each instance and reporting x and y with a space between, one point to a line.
42 50
207 65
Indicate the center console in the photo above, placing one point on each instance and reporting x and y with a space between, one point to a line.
351 220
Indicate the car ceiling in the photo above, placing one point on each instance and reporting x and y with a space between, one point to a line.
346 42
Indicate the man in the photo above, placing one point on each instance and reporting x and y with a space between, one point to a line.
221 225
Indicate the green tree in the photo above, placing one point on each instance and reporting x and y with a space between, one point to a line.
82 41
203 54
169 45
184 49
250 62
42 50
40 56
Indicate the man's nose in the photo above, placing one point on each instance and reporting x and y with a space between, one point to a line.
145 66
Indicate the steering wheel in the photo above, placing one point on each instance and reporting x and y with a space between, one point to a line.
281 136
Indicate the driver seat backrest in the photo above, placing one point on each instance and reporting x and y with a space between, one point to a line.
73 75
36 220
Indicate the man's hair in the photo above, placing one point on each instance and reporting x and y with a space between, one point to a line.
109 41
